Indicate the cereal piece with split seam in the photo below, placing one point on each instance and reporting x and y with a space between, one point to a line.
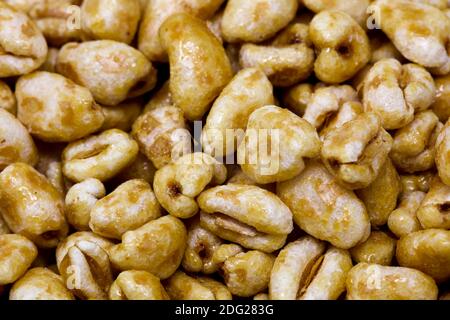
247 215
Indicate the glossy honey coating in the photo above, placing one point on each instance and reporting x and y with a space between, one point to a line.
31 206
162 135
219 290
346 113
40 284
180 286
247 274
343 46
99 156
443 153
433 211
17 254
157 247
256 21
286 276
224 150
105 20
441 105
7 98
83 262
356 152
199 66
280 154
248 91
157 11
79 201
419 181
396 92
375 282
305 270
403 220
287 60
55 109
414 146
357 9
327 280
137 285
111 70
23 46
380 197
128 207
427 251
17 144
325 209
379 248
201 249
225 251
54 18
419 31
327 103
177 185
296 98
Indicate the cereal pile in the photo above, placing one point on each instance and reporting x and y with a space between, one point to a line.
220 149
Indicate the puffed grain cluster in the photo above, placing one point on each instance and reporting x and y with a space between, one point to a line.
224 149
